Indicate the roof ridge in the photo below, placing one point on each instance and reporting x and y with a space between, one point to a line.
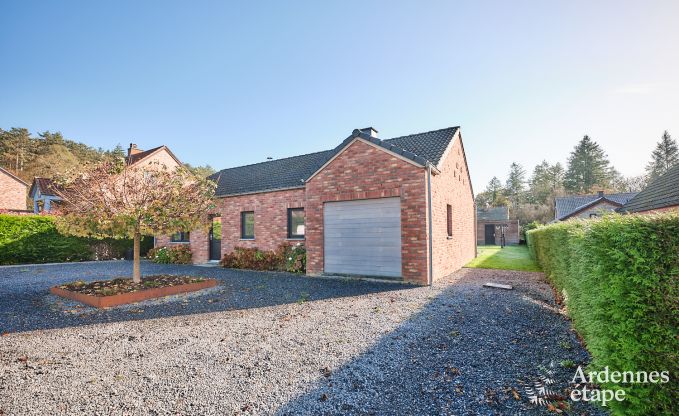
594 195
336 148
424 132
13 175
274 160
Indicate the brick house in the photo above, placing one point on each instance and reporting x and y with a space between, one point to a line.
12 192
661 195
589 206
45 192
161 155
490 223
361 208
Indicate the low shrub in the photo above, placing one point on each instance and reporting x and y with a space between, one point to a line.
176 254
35 239
620 279
285 258
295 258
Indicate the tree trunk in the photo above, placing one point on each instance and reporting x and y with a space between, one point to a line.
136 272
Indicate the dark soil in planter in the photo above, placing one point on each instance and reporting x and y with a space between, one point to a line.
126 285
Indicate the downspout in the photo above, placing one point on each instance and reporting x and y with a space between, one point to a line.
431 237
476 232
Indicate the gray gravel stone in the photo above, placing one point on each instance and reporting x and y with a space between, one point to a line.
254 345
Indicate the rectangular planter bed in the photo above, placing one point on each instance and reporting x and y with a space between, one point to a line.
132 297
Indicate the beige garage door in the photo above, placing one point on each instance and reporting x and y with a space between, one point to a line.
363 237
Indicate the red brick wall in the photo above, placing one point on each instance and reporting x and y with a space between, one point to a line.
271 223
674 208
361 172
12 193
452 187
271 218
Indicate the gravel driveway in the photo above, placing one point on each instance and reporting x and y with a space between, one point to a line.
266 343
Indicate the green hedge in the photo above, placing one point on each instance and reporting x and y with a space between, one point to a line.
35 239
619 276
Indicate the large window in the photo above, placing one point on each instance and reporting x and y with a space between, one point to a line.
247 225
180 237
449 220
295 222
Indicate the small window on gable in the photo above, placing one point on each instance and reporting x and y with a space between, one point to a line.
247 225
449 220
295 222
180 237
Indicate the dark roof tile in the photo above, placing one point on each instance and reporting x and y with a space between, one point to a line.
492 214
46 186
661 193
566 205
291 172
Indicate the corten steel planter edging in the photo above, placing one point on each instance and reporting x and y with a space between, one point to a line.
132 297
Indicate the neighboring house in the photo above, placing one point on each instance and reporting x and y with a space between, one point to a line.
361 208
12 192
44 193
661 195
588 206
160 155
489 225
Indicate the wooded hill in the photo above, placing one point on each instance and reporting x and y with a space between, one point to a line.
46 154
49 154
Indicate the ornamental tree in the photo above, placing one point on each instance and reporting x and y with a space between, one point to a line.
118 200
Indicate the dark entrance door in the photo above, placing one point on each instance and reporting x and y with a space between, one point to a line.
216 239
490 234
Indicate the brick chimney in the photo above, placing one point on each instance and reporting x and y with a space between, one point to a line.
133 150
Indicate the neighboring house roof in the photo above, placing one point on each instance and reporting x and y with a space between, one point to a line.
492 214
13 176
661 193
137 157
292 172
46 186
565 206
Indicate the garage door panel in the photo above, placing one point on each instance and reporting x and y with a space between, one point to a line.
373 244
363 237
351 237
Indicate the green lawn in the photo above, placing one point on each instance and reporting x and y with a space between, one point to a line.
508 258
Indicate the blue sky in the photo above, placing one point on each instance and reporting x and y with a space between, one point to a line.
230 83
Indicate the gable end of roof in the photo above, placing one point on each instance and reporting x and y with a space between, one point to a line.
13 176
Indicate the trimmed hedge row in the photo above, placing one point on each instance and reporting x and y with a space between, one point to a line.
35 239
620 280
